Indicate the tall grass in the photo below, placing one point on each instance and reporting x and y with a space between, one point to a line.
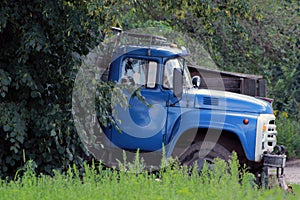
172 182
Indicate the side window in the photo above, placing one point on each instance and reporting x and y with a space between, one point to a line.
168 73
139 72
169 67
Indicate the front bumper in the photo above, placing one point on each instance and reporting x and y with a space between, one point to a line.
277 158
278 162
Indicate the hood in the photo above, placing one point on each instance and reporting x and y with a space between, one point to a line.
220 100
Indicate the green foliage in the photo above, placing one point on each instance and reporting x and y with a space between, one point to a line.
221 27
282 65
96 183
289 135
40 47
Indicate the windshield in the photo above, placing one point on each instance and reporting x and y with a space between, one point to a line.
168 73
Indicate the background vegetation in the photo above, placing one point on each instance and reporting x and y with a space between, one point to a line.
41 43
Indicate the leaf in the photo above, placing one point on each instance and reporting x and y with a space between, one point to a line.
13 148
70 155
53 132
13 134
20 138
6 81
12 140
5 88
35 94
6 128
39 47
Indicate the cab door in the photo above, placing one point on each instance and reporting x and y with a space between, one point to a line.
142 123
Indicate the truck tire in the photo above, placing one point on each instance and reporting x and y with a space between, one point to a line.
204 151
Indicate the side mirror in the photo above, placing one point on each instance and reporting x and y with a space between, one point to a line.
178 82
196 80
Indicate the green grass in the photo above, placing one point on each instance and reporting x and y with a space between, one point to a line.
167 184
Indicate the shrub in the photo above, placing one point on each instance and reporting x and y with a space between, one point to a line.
289 135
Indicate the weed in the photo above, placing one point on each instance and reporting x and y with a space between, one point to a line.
174 183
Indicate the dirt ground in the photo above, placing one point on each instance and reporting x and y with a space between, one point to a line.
292 171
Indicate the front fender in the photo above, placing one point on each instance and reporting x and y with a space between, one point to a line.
218 121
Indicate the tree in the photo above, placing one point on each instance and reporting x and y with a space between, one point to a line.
281 25
41 43
257 37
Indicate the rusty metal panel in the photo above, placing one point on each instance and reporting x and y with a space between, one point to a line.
250 87
248 84
262 90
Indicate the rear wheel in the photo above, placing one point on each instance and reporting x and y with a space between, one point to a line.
203 152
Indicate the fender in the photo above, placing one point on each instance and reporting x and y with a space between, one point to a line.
216 120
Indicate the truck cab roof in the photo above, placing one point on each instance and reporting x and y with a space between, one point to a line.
169 50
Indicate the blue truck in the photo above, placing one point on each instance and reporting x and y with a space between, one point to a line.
180 119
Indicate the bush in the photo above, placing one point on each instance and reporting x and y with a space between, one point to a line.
289 135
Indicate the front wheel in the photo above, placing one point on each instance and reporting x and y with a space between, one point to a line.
203 152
